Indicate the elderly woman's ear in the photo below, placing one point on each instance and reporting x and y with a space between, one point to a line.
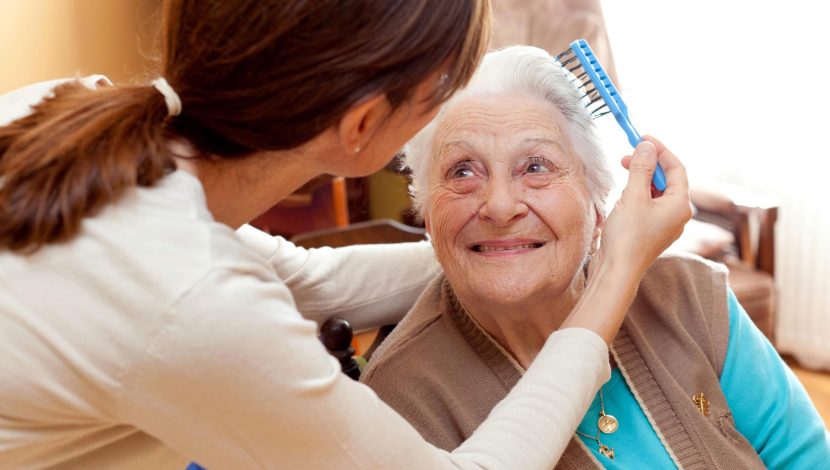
599 223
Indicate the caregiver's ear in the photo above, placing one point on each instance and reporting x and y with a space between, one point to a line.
361 120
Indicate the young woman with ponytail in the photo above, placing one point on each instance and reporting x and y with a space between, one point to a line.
143 325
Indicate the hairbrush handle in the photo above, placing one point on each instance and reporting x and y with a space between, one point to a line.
658 179
612 99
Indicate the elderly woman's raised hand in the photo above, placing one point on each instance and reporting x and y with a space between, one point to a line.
644 222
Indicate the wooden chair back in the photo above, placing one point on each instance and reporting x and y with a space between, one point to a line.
373 231
750 217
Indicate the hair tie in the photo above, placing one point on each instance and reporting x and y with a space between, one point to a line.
171 98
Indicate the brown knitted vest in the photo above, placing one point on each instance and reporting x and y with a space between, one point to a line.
444 374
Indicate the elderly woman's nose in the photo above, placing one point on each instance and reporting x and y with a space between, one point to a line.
503 203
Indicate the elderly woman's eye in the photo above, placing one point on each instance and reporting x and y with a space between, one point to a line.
539 165
462 173
461 170
537 168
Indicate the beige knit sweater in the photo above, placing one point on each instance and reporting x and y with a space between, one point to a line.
443 373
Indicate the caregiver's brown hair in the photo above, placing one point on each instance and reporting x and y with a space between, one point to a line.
252 75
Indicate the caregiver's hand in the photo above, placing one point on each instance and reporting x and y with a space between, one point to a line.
639 228
644 222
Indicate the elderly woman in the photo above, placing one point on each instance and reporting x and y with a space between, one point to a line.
512 187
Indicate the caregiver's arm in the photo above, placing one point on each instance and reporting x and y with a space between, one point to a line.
368 285
257 390
638 229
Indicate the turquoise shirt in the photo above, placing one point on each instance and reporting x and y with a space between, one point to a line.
769 405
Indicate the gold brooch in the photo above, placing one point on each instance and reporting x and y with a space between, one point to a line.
701 403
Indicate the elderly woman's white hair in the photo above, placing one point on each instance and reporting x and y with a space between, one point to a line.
529 71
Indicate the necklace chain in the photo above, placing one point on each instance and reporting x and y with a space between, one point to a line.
606 424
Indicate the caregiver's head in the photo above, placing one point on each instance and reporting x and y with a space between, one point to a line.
253 76
268 75
512 185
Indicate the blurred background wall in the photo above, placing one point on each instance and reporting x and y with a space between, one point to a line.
45 39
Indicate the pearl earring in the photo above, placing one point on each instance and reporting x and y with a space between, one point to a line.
357 149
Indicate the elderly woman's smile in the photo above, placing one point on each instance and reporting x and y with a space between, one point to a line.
504 247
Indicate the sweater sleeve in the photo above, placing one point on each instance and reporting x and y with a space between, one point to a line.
246 384
368 285
779 420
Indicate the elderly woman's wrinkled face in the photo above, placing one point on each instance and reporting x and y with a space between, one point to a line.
509 210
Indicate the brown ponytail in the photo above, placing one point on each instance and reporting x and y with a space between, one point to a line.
252 75
76 153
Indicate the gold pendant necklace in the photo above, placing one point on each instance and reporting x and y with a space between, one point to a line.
606 424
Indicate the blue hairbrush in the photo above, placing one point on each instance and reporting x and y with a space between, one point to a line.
601 96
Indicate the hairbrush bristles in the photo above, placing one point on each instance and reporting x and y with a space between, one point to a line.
591 97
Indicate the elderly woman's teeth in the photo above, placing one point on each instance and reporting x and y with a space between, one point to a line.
484 248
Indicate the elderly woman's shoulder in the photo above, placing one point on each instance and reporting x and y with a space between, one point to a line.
679 267
683 282
677 280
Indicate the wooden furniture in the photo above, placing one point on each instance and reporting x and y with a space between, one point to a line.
737 227
321 203
373 231
336 335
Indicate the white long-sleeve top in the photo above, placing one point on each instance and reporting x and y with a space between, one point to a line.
159 336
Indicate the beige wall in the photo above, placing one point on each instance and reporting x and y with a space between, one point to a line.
44 39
